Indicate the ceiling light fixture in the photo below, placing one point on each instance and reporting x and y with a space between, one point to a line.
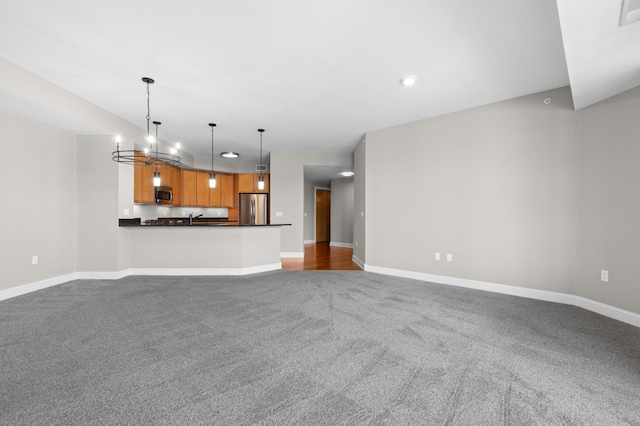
230 154
156 174
212 175
347 174
151 158
409 80
261 177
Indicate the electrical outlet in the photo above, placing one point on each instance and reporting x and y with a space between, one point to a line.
449 257
34 260
604 276
437 256
126 212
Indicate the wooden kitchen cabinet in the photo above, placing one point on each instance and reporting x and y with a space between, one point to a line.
215 194
143 190
202 188
176 185
256 176
229 192
189 182
245 182
248 182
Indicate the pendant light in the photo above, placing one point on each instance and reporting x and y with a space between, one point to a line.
212 175
156 174
261 178
151 158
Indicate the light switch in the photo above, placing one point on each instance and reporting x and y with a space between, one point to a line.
449 257
279 214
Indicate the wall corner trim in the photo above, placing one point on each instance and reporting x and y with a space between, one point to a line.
358 262
529 293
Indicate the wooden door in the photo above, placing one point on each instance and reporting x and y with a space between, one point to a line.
323 215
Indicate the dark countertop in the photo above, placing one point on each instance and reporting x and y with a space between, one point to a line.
200 221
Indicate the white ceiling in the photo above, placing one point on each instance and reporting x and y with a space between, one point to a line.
316 75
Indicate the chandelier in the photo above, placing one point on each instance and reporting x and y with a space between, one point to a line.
151 156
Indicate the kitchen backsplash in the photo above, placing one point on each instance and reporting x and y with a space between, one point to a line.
145 212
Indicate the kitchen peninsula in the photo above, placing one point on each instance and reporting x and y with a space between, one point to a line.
205 249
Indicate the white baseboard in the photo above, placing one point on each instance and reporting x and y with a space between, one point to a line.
530 293
310 241
116 275
37 285
98 275
608 311
549 296
292 254
204 271
338 244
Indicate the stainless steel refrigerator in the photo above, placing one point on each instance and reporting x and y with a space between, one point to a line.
253 209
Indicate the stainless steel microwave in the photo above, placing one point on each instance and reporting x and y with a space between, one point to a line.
164 195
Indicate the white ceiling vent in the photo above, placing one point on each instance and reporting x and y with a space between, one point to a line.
630 12
261 167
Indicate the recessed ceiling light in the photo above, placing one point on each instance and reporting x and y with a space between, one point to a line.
409 80
230 154
347 174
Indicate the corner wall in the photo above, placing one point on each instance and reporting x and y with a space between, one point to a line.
38 184
608 201
342 212
287 192
359 200
494 186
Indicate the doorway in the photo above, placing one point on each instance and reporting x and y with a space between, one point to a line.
323 215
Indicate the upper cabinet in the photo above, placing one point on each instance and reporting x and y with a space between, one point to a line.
176 185
189 180
228 190
143 189
248 182
191 187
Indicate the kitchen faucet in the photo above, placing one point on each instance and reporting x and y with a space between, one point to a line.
191 217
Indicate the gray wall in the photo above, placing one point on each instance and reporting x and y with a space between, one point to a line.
287 192
359 211
98 202
608 201
521 193
342 211
494 186
38 181
309 211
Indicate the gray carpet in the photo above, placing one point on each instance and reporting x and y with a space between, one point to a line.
309 348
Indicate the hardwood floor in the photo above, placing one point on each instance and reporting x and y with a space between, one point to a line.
321 256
